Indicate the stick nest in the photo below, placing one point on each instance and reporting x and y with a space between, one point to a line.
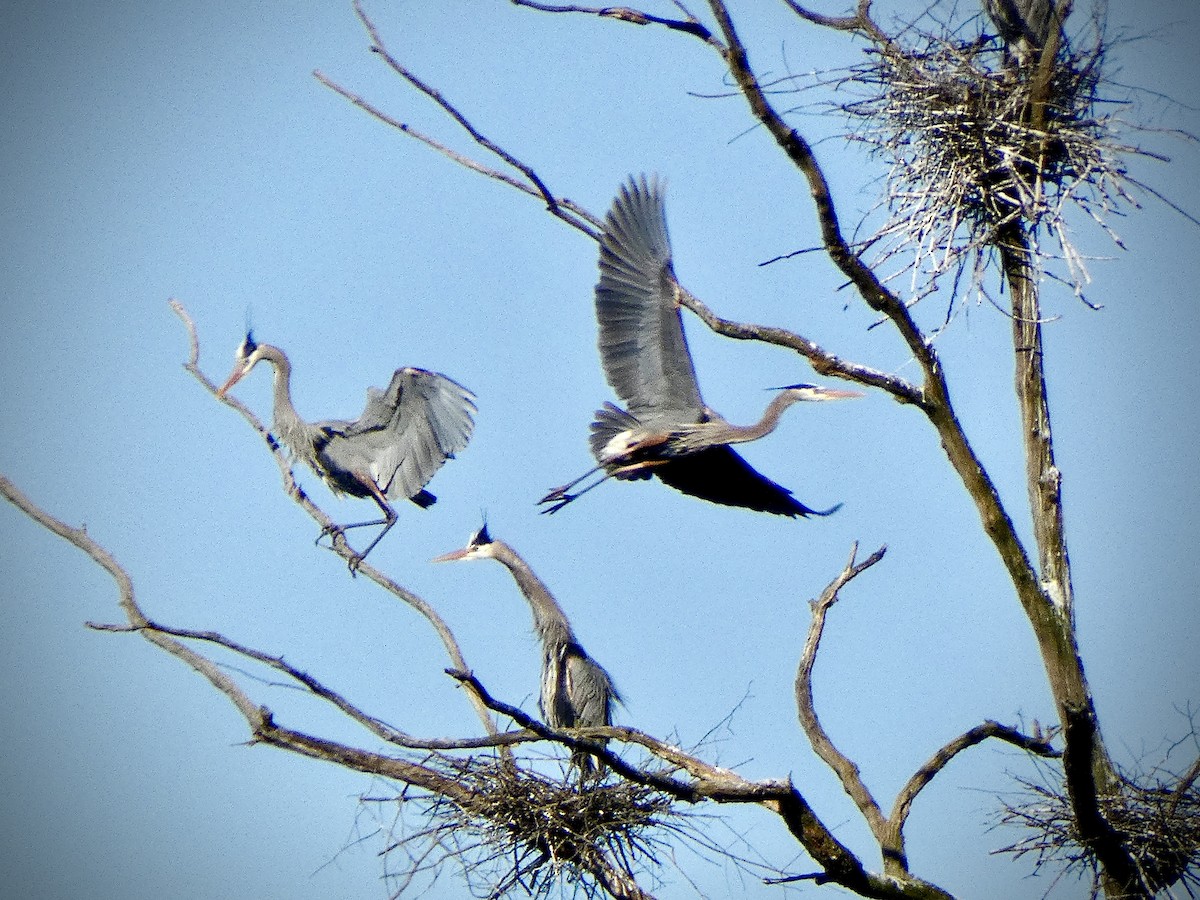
523 832
1159 824
952 120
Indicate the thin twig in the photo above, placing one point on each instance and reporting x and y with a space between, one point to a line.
689 25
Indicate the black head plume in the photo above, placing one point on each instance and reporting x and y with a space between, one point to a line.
248 345
481 537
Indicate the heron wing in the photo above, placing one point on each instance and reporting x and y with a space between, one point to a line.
642 345
718 474
1017 19
553 703
410 429
589 689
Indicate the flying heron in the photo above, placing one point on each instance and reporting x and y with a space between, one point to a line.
576 692
667 430
402 438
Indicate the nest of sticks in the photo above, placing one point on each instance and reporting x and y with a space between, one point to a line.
953 119
1160 825
519 831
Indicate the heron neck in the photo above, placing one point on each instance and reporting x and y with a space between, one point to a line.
768 422
288 427
549 620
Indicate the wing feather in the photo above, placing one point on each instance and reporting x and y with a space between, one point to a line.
718 474
415 425
590 689
642 345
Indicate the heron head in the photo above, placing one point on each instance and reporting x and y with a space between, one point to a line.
816 392
478 547
247 356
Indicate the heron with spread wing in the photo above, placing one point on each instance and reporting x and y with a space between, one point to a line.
576 692
391 451
667 431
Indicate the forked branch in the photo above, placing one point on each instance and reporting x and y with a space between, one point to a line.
888 830
531 184
845 768
258 718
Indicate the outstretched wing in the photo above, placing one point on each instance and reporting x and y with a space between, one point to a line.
412 428
718 474
642 346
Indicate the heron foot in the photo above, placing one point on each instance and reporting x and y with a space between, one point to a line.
562 500
558 493
333 532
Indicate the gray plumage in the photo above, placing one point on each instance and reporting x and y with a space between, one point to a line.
666 430
575 691
1024 25
405 434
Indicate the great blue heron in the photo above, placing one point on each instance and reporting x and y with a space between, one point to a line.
667 430
576 692
402 438
1024 25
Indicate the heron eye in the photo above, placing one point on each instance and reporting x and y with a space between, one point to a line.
248 346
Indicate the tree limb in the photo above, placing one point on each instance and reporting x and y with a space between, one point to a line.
724 786
340 546
888 830
1038 746
689 25
259 718
823 362
846 770
855 22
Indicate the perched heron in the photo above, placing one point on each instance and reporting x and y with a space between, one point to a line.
402 438
576 692
667 431
1024 25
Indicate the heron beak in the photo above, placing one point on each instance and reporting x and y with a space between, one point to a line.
452 556
234 378
836 394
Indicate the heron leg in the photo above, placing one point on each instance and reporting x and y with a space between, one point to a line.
388 521
561 498
333 529
560 493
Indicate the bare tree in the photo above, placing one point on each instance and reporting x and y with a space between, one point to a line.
1027 149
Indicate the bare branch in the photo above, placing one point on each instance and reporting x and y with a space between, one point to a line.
845 768
343 549
1035 744
689 25
856 22
822 361
666 784
568 212
376 726
581 216
1095 831
1185 784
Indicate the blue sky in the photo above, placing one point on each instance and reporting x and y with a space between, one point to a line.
185 150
